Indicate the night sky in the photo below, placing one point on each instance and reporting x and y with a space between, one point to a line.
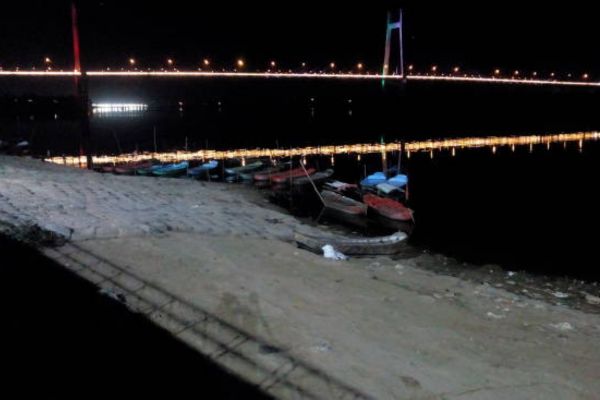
479 38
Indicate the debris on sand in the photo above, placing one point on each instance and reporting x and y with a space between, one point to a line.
331 253
111 294
322 346
563 326
495 316
561 295
593 300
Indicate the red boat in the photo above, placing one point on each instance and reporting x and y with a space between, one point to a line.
265 175
284 176
107 169
388 208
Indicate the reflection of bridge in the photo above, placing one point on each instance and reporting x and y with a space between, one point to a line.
357 149
307 75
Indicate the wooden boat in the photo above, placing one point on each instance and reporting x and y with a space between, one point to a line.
246 170
386 245
340 187
388 208
265 174
130 169
203 169
107 169
172 170
148 171
317 178
284 176
344 208
387 189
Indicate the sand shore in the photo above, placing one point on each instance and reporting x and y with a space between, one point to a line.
218 268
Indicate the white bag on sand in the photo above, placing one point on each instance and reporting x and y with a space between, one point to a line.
332 254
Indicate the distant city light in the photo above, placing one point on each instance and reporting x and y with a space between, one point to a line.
116 108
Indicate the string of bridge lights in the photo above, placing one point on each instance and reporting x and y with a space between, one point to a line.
241 68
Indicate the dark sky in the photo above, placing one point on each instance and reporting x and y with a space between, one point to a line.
479 37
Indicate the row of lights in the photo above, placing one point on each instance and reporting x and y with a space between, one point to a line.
241 63
498 73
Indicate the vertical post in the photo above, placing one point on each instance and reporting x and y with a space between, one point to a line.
400 158
401 37
388 46
390 27
81 84
154 137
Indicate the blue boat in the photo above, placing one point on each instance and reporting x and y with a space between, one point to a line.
203 169
148 171
172 170
374 180
398 181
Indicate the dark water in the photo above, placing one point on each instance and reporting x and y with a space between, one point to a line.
536 211
59 336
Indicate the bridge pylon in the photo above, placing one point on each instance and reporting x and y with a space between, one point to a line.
395 21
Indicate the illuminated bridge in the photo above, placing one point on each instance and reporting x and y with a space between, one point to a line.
494 80
403 72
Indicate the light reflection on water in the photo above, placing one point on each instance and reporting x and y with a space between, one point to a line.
408 148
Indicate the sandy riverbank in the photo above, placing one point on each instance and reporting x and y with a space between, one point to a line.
219 270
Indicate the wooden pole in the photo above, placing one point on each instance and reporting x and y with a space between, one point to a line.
312 183
154 135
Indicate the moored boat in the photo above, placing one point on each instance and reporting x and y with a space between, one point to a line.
344 208
203 169
148 171
388 208
340 187
385 245
284 176
374 180
130 169
398 181
107 169
172 170
266 174
316 178
244 170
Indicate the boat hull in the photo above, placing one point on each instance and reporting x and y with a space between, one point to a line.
386 245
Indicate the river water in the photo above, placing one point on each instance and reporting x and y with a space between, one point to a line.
532 207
